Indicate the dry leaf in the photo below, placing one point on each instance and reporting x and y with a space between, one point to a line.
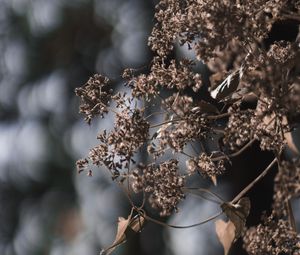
250 97
137 223
228 86
207 107
134 224
214 179
226 234
229 232
237 213
120 236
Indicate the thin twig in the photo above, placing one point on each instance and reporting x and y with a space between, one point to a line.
220 116
291 16
180 227
165 122
153 114
186 154
235 153
193 191
291 215
258 178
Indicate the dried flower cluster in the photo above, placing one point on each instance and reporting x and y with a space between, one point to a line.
273 236
255 93
162 182
277 233
239 129
210 25
117 148
206 166
172 76
95 97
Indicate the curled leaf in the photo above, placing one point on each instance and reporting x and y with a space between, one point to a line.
228 86
226 234
206 107
229 232
134 224
120 236
237 214
214 179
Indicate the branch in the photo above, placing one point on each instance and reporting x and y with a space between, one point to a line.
258 178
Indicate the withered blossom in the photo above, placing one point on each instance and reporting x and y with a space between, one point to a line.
210 25
81 164
233 39
118 147
162 183
172 76
273 236
209 168
95 96
239 129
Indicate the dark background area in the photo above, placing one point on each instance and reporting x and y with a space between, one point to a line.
47 49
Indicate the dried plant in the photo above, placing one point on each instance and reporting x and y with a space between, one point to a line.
255 92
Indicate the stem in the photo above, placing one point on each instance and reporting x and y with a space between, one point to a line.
235 153
128 180
180 227
163 123
220 116
242 149
186 154
291 216
153 114
194 191
194 149
218 130
291 16
258 178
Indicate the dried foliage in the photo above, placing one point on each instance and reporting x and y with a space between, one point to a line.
226 234
255 92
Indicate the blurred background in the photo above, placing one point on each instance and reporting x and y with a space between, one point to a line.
47 49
